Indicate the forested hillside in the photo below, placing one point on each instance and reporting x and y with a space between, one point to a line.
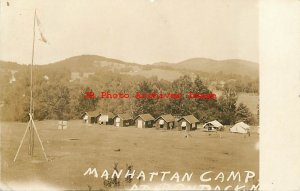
59 89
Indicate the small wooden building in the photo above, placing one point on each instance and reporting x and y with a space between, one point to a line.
188 123
106 118
94 116
85 117
165 122
123 120
144 121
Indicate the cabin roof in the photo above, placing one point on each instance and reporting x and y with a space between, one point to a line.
109 114
190 119
94 113
124 116
145 117
167 118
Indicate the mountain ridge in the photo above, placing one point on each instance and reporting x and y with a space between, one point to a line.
91 62
228 66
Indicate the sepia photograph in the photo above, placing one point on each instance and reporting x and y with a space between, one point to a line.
129 95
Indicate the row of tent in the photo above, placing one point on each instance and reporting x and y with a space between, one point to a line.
167 122
215 125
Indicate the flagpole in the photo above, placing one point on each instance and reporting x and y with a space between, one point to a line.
32 59
31 126
31 131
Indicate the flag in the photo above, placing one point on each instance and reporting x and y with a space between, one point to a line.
42 37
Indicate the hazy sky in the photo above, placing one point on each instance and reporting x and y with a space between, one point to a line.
141 31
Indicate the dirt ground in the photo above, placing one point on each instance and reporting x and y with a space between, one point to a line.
73 150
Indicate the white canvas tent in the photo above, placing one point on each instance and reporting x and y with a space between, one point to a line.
212 125
240 127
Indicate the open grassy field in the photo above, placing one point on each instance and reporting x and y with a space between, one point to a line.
80 146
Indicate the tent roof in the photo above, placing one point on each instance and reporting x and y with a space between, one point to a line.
124 116
238 129
215 123
243 125
167 118
145 117
190 119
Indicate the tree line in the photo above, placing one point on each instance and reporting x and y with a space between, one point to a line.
58 98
